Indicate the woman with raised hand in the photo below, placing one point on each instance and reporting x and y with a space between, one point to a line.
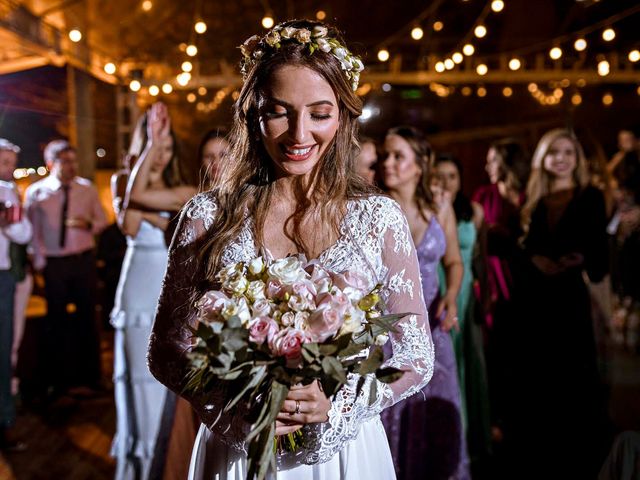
143 201
426 432
290 187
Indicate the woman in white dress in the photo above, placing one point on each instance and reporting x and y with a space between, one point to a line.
139 397
290 186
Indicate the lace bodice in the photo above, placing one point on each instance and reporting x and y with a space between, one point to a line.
374 238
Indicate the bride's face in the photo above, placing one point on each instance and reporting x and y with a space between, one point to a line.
298 119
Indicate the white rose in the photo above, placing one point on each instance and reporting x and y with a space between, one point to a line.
357 64
300 320
237 284
238 308
256 266
303 35
229 271
288 319
345 63
287 270
319 31
261 308
353 321
272 38
340 53
255 290
287 32
299 304
323 45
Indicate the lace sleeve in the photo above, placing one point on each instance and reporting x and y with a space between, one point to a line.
411 345
170 338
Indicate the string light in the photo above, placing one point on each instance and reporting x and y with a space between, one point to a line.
576 99
187 66
481 92
135 85
581 82
480 31
383 55
468 49
482 69
110 68
440 67
321 15
417 33
449 64
386 87
497 5
558 93
603 68
267 21
515 64
532 87
147 5
75 35
192 50
184 78
457 57
191 97
608 34
580 44
200 27
154 90
42 171
607 99
202 91
438 25
507 91
167 88
466 91
555 53
634 56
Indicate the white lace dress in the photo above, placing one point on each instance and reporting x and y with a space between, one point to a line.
374 238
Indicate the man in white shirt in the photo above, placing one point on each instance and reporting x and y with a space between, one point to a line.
66 214
16 228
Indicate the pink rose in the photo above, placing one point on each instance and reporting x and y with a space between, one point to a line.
275 290
261 329
288 343
352 280
261 308
321 279
211 304
335 300
304 289
324 324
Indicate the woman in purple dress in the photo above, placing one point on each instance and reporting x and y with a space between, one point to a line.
425 432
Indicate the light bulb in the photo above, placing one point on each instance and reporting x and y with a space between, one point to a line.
468 49
383 55
200 27
75 35
482 69
480 31
267 21
135 85
167 88
110 68
192 50
154 90
580 44
515 64
417 33
555 53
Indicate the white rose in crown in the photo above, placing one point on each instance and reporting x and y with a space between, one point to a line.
341 53
303 35
323 45
287 32
272 38
287 270
319 32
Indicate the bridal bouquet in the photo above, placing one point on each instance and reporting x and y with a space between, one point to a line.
273 325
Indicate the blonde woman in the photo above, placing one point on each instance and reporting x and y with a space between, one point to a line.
564 221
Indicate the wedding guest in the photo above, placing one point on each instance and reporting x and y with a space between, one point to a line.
14 228
290 187
211 154
144 199
562 420
66 214
425 432
366 159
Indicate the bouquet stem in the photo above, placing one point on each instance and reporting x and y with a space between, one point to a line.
291 442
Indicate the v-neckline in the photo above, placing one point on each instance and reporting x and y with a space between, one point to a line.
267 253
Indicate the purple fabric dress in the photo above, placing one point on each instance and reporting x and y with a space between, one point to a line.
425 431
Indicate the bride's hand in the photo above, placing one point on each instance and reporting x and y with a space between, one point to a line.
305 404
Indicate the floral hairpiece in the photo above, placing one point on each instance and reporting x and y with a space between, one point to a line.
316 39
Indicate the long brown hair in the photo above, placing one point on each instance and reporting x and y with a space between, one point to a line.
246 186
425 159
539 184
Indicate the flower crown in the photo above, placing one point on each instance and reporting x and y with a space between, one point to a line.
316 39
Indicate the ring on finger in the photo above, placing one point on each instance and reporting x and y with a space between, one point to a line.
297 407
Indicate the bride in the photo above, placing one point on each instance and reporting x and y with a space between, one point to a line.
289 186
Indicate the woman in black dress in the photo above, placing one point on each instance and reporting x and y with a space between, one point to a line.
564 221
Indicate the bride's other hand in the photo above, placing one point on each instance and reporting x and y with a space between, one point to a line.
305 404
284 428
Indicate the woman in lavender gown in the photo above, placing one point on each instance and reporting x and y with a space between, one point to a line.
425 432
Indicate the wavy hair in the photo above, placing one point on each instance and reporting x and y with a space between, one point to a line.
246 186
539 184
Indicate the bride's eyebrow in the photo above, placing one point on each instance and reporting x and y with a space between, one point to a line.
288 105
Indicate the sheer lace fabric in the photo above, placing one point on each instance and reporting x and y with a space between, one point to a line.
375 239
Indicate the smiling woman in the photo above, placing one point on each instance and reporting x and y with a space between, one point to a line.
291 187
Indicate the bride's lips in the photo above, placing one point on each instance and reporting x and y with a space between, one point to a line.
298 153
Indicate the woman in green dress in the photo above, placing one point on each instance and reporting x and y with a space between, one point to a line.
468 339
